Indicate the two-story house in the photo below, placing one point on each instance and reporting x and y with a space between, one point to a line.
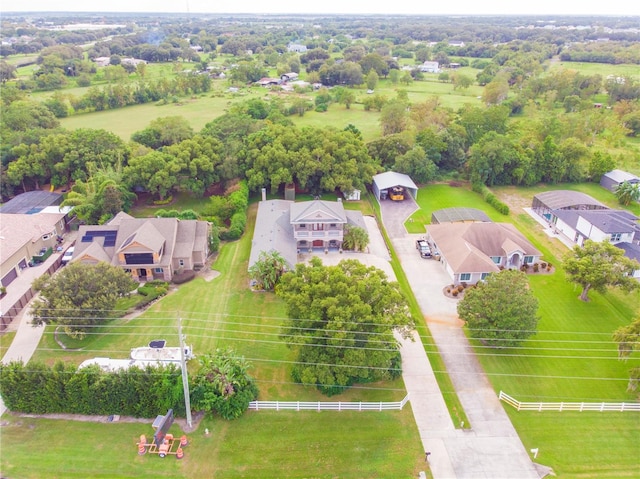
148 248
318 224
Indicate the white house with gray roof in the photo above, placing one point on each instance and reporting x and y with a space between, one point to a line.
615 226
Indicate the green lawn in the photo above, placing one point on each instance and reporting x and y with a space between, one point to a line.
259 444
571 358
219 314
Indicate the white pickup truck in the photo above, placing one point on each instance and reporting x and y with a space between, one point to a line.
423 248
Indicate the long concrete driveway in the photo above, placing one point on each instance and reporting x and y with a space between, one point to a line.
491 448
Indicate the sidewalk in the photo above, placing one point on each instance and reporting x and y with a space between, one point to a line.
24 343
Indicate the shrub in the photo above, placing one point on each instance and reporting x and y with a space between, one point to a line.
543 265
536 268
166 201
455 292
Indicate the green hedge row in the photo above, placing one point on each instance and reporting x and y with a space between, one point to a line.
240 201
36 388
490 198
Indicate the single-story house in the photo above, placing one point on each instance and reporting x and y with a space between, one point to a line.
25 236
296 47
430 67
383 182
265 82
614 178
632 251
469 252
148 248
291 76
615 226
289 227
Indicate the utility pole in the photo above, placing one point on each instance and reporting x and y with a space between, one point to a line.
185 379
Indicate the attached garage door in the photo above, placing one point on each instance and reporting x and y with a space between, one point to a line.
9 277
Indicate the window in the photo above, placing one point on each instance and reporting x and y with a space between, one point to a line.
158 270
181 262
483 276
528 259
46 237
332 225
303 226
496 259
465 276
616 236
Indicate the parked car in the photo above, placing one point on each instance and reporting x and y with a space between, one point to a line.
66 257
423 248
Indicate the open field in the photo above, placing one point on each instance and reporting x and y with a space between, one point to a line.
603 69
201 109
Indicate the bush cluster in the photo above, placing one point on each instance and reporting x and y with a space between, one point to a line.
40 389
490 198
239 200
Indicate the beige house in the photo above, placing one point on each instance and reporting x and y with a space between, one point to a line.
318 224
23 236
148 248
469 252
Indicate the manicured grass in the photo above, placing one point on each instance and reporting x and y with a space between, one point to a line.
571 358
5 341
219 314
438 196
259 444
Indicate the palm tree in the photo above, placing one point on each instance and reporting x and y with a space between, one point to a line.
268 269
627 192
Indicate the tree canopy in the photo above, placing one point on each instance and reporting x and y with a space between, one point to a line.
341 324
598 266
222 385
628 339
80 295
500 311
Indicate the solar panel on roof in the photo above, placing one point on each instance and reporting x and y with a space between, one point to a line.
109 237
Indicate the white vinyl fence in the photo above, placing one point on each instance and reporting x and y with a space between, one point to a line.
570 406
327 406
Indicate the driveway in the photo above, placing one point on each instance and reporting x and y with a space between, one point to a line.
491 448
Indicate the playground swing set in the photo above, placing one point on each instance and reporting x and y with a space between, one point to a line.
163 443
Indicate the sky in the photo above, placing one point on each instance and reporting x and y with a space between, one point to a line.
399 7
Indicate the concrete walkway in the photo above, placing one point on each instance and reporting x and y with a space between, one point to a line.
24 343
492 448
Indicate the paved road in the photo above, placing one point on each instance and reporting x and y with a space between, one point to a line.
492 448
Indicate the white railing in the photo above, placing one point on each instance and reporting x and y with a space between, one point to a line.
327 406
569 406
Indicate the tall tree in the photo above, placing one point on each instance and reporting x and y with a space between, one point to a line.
501 311
342 323
222 385
628 339
79 296
598 266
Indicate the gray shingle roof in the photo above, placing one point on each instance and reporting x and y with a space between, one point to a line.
558 199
